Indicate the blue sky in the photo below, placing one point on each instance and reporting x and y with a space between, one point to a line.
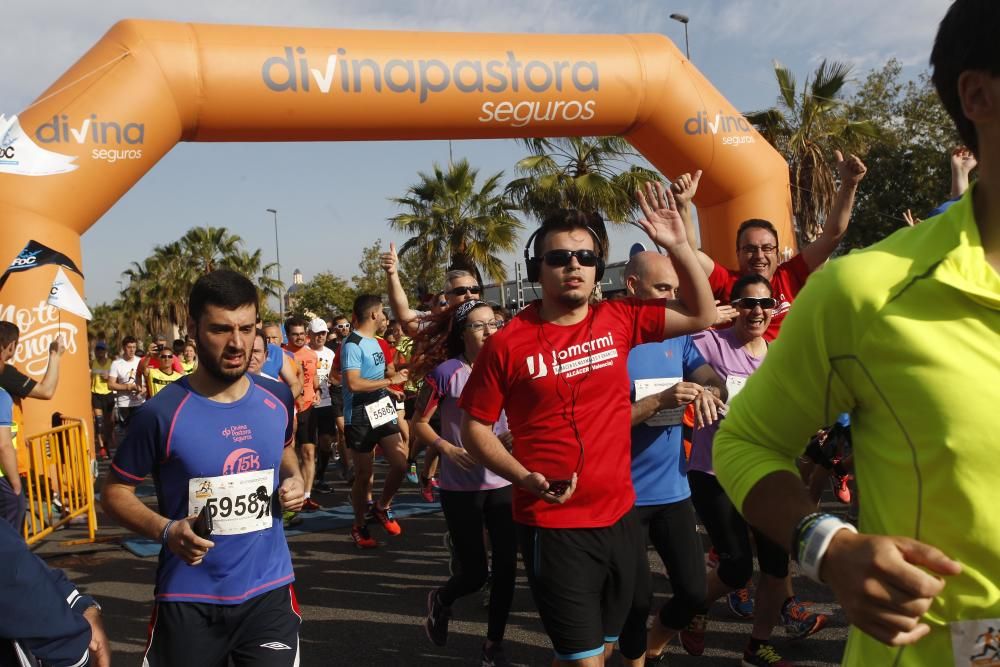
333 198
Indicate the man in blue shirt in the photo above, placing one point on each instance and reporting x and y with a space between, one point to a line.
216 440
370 418
666 377
12 503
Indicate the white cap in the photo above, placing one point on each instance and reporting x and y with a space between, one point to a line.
317 325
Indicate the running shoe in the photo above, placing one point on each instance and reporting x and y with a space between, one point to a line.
741 603
322 487
764 656
799 622
102 454
435 484
692 637
840 488
411 475
386 518
310 505
494 657
656 661
290 519
427 490
362 538
436 623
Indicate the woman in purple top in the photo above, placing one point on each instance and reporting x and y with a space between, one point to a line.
735 353
472 497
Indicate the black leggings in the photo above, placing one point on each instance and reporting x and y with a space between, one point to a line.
729 534
674 534
466 512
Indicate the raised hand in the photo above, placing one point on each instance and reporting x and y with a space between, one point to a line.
852 170
389 260
962 160
661 220
684 188
910 219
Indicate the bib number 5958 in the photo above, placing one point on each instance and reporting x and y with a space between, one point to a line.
240 506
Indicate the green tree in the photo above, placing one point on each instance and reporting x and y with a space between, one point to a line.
372 278
593 174
908 166
326 295
806 126
448 215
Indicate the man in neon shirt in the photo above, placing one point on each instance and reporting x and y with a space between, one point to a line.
159 377
559 372
102 400
886 334
219 441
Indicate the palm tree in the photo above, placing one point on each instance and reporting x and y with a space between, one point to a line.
448 216
593 174
806 127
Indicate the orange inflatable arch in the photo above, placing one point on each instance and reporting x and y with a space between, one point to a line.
147 85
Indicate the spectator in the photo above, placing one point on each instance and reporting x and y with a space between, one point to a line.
124 379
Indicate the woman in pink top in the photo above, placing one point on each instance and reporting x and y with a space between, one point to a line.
472 497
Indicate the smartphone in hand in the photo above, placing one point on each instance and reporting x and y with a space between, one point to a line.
203 524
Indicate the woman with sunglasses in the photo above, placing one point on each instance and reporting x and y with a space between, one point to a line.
472 497
735 353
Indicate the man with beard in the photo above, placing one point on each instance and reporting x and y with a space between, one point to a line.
219 440
559 371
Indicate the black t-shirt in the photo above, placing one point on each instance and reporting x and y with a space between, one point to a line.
16 383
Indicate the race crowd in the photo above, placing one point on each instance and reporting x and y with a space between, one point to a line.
579 431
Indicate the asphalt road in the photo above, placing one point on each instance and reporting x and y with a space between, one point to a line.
366 607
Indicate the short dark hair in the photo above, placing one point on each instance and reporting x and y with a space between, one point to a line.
9 333
747 280
755 223
568 219
129 339
178 345
295 321
364 305
223 288
966 40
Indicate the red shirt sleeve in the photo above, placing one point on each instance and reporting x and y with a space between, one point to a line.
649 316
484 393
721 281
796 272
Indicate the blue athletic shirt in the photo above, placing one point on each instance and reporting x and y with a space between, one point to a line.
6 408
658 467
360 353
179 435
274 361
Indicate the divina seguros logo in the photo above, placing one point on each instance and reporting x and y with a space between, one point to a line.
62 129
702 123
293 72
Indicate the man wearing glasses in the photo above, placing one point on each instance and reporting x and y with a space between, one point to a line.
162 374
757 249
554 370
459 286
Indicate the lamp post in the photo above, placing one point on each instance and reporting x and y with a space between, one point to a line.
682 18
277 260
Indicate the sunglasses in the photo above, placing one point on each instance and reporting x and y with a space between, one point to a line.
342 326
750 302
564 257
166 356
462 291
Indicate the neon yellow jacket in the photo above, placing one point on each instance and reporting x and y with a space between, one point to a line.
904 335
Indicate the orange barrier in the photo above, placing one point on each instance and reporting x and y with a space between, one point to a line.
60 481
146 85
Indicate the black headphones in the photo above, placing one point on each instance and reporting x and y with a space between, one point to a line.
533 265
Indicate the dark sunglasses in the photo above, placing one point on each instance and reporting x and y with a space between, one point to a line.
462 291
563 257
749 302
166 356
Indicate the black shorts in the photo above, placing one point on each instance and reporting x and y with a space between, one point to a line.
262 632
337 401
305 431
363 438
326 421
583 581
103 402
125 414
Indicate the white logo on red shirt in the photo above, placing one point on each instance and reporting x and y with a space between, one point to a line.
576 359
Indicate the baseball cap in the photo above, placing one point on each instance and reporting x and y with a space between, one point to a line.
101 345
318 325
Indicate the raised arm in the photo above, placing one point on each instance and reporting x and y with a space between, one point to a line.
962 163
398 302
851 171
684 188
46 388
695 309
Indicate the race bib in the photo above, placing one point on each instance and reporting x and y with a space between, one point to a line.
975 643
734 385
381 412
238 504
650 386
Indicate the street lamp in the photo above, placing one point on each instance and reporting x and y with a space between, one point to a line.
277 260
682 18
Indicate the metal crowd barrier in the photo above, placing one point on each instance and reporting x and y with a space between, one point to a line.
60 481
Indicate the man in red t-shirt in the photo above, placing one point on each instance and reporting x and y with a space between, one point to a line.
559 371
757 249
305 430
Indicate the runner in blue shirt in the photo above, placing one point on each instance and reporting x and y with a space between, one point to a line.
665 378
217 439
